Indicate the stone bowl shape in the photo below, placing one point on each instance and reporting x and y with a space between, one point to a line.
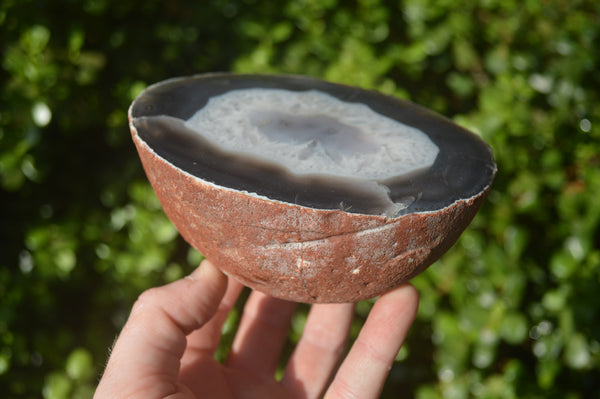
307 190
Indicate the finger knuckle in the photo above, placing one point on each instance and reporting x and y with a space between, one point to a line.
342 389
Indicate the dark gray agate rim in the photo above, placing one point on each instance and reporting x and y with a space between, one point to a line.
464 166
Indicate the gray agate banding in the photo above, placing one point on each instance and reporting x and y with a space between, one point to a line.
462 167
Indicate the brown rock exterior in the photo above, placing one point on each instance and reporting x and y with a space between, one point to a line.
296 252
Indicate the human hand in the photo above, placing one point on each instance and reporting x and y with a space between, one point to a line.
166 349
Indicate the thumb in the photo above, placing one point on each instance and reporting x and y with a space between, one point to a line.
145 360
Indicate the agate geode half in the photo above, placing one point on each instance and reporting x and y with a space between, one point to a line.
307 190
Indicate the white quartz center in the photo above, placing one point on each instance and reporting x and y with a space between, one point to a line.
313 133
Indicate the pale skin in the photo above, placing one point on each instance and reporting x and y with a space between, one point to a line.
166 349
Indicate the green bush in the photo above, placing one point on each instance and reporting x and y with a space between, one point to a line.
510 312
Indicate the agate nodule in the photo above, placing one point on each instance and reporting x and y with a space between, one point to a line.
307 190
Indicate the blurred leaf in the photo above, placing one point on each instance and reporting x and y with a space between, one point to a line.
514 328
57 386
79 365
577 352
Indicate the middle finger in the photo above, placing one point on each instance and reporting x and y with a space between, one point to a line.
261 335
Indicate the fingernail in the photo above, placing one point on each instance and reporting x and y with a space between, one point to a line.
207 269
204 270
196 274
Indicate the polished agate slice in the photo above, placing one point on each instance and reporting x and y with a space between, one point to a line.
313 143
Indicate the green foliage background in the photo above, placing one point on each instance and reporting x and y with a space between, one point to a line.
512 311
